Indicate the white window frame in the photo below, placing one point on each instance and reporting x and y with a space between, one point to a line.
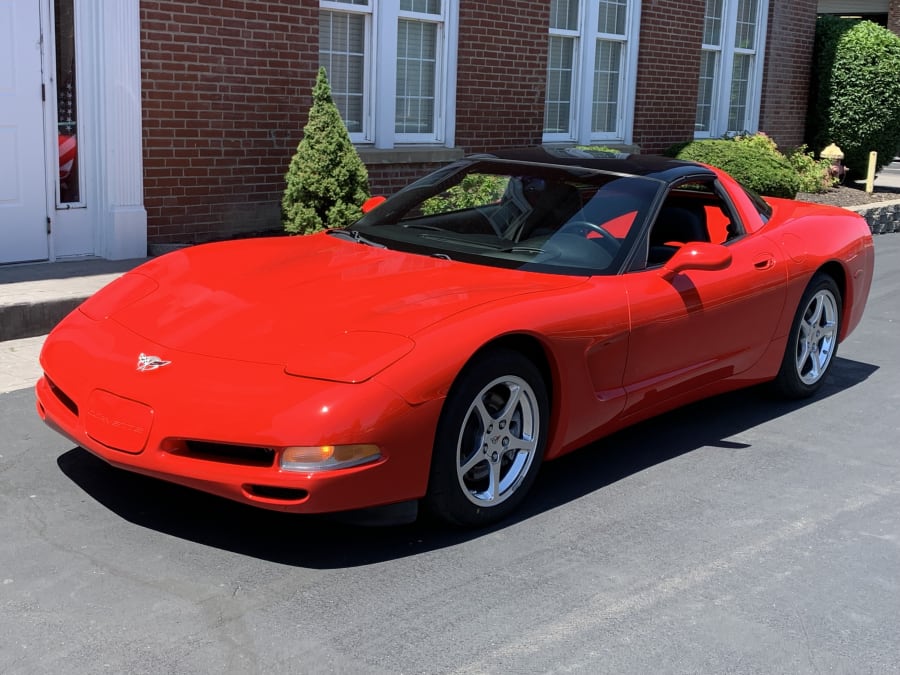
725 54
380 72
581 112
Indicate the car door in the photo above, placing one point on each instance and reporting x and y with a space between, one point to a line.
698 326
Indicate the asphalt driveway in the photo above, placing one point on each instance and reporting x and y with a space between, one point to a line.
742 534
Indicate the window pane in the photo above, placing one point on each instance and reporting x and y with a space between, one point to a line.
559 85
712 23
416 64
612 16
745 32
564 14
363 3
607 69
708 65
66 104
422 6
341 51
740 88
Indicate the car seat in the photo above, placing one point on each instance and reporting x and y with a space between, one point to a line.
676 225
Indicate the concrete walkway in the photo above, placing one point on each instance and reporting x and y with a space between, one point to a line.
889 176
34 297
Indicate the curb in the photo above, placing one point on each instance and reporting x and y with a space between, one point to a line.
883 218
30 319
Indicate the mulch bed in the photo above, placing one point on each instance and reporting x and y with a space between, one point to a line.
845 195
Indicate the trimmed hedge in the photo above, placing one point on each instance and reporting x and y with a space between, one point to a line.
855 98
754 161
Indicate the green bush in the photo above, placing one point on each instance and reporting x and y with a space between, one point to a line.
751 160
475 189
815 174
855 99
600 150
326 181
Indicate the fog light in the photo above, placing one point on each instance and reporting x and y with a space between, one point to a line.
324 457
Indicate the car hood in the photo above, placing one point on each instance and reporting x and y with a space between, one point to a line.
320 306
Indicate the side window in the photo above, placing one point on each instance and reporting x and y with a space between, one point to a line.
691 212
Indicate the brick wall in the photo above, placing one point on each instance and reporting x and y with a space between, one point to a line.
502 73
226 87
668 73
893 22
386 179
786 76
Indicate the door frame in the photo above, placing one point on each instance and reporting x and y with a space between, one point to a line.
112 223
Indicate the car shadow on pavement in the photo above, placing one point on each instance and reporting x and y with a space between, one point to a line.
328 542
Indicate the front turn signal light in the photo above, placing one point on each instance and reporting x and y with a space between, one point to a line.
326 457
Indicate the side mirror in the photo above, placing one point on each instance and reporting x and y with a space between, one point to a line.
697 256
372 202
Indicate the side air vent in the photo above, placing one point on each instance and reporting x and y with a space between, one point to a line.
61 395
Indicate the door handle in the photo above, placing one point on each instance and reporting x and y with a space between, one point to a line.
764 262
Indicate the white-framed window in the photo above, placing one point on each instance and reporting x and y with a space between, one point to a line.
392 68
731 67
591 70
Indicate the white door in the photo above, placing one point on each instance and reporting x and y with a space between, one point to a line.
23 202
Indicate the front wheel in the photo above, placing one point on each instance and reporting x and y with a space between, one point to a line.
490 440
813 340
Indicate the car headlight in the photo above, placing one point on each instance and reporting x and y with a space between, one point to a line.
326 457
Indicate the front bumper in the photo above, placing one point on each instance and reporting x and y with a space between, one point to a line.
217 425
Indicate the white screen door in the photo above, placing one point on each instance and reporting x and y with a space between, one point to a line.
23 202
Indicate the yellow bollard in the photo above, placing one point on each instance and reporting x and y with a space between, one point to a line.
870 174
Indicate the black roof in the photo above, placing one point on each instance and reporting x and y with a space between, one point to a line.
652 166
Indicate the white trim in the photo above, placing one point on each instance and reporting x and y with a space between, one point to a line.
759 63
51 150
631 63
384 91
112 52
126 225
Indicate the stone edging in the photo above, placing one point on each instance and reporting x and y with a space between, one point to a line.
882 218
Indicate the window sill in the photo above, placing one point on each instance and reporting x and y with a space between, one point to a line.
419 154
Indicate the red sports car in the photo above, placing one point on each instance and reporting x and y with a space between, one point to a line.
502 311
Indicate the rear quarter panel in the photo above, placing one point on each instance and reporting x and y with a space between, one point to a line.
816 237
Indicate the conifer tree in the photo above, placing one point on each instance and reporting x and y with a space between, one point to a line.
326 181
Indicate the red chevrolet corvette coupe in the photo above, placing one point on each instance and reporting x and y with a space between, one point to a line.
502 311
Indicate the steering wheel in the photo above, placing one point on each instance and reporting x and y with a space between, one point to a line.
585 228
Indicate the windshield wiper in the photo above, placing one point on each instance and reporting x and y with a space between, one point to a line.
420 226
353 235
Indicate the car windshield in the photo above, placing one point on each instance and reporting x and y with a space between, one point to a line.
553 219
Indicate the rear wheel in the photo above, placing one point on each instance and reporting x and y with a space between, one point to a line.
813 340
490 440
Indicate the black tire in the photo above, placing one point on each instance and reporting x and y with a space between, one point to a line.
813 340
490 440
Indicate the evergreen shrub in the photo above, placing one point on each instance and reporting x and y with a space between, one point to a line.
327 181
